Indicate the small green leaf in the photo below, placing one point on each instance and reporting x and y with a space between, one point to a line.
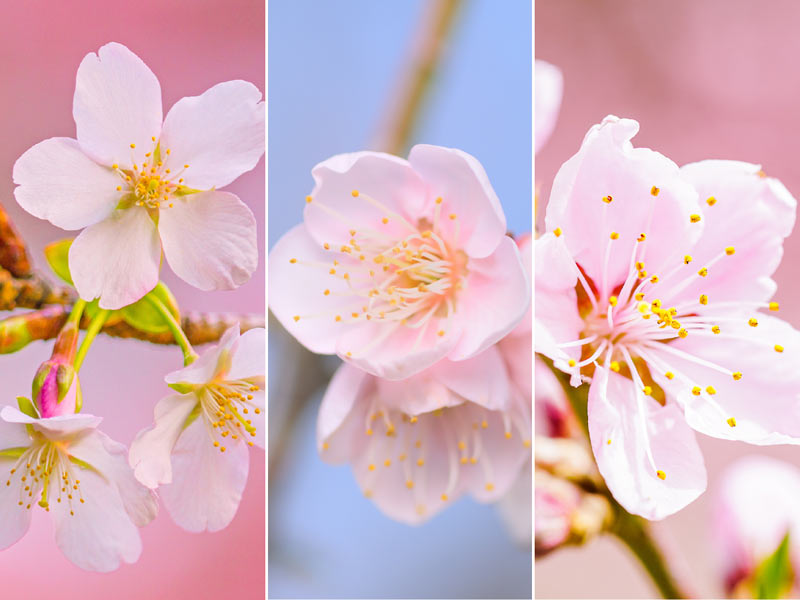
773 578
26 407
144 317
13 452
57 255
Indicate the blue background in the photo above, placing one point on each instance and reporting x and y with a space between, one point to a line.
333 67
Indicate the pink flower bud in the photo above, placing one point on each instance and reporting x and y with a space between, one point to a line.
56 389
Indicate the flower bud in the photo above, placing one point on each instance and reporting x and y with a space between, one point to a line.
56 389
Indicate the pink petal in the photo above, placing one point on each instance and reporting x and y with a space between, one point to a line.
206 484
751 213
219 134
117 103
495 300
460 180
615 415
770 377
516 507
548 89
12 431
206 367
557 318
383 178
298 290
117 259
54 428
210 240
482 379
608 165
59 183
100 535
248 361
15 519
338 425
151 452
110 459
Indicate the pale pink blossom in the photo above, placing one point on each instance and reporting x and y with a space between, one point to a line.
650 283
547 92
417 445
754 506
135 185
196 453
66 466
399 263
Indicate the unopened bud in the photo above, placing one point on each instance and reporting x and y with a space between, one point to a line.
56 389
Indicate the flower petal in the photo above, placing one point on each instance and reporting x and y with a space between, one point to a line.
606 165
338 428
384 179
769 376
248 361
298 281
219 134
460 180
516 507
96 534
209 363
482 379
110 459
117 103
59 183
206 484
615 416
495 301
53 428
210 240
151 452
16 519
751 213
548 89
117 259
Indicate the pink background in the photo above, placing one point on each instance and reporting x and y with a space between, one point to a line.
705 79
190 45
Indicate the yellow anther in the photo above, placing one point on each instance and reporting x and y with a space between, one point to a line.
613 300
489 487
737 375
669 375
703 272
732 422
703 299
614 366
642 274
614 235
387 463
774 306
409 484
639 296
647 390
656 303
710 390
654 279
439 200
639 266
133 145
642 237
325 445
296 318
385 220
370 432
694 218
661 475
371 467
293 260
608 199
730 250
687 259
654 191
696 391
557 231
715 329
778 348
444 497
682 333
753 322
711 201
571 362
420 462
508 435
308 199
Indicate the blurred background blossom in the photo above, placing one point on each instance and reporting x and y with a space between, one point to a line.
336 71
190 46
710 79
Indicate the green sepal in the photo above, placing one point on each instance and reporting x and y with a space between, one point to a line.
84 465
183 388
774 577
142 316
26 407
13 452
192 416
91 310
57 255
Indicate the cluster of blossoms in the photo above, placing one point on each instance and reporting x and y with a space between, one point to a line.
403 268
137 187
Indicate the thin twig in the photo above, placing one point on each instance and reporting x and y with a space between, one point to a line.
13 253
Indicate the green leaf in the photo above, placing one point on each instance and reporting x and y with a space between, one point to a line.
26 407
773 578
57 255
144 317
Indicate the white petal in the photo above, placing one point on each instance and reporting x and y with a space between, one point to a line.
206 484
59 183
249 361
151 451
219 134
53 428
100 534
110 459
15 519
117 103
117 259
210 240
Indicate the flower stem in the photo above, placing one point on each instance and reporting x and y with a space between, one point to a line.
95 325
633 531
189 355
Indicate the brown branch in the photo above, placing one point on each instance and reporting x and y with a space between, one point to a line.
32 291
13 254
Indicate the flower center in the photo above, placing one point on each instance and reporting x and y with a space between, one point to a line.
45 468
410 279
226 406
154 184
